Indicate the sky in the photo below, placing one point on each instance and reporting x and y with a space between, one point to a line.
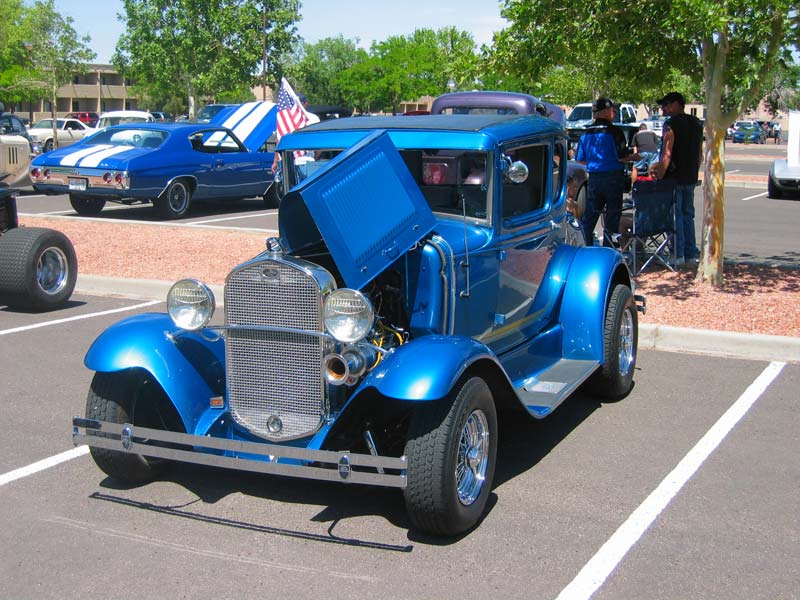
366 20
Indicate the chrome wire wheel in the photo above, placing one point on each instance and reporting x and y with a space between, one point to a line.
52 270
627 350
473 457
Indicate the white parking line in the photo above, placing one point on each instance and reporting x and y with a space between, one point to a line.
602 564
78 317
753 197
236 217
43 464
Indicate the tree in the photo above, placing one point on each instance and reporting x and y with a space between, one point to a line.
205 47
55 51
314 70
403 67
728 47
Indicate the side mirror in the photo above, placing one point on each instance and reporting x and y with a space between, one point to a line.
517 172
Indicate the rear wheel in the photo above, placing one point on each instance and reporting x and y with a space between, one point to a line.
135 398
621 337
451 450
48 146
175 202
272 199
86 205
38 268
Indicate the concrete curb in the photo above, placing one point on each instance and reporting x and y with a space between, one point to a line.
751 346
657 337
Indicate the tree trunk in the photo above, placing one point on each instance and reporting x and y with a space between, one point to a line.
710 268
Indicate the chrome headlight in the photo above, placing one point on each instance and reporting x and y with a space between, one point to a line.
348 315
190 304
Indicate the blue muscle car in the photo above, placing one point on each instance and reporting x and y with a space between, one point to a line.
168 164
427 277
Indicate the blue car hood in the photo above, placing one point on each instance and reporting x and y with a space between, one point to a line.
253 122
364 204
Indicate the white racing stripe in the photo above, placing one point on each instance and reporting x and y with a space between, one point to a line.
43 464
243 129
602 564
78 317
70 160
94 159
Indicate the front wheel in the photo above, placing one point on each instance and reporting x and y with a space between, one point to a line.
38 268
620 342
451 451
772 189
86 205
129 397
174 203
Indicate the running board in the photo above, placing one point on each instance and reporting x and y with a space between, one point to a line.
542 393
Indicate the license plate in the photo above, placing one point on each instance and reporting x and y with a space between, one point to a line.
78 185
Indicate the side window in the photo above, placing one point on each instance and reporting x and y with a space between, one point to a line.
559 169
530 195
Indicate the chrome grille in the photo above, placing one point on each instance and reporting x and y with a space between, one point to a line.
275 373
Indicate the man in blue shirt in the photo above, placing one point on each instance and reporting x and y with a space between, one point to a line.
603 149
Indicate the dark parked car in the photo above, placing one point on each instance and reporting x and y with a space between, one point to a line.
749 134
423 282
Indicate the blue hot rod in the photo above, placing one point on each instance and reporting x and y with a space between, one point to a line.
427 277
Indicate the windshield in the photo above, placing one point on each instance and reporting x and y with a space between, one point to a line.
48 124
108 121
580 113
454 182
139 138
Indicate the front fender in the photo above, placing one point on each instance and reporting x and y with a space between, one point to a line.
189 368
589 281
426 368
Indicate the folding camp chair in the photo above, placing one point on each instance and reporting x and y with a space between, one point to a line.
651 229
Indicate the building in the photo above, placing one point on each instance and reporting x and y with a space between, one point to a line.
99 90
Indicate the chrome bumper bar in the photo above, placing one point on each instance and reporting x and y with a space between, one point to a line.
326 465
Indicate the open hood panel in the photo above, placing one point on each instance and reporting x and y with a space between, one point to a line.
252 122
364 204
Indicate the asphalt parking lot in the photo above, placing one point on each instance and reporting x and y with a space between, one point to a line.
656 496
685 489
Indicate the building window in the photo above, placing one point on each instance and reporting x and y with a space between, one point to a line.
76 105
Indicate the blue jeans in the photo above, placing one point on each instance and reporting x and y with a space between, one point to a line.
604 192
685 244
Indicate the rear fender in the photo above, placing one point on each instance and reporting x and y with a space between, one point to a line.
189 368
591 276
426 368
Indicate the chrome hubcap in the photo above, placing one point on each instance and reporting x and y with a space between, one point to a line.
52 270
473 457
626 350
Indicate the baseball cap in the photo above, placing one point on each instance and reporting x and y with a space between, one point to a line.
672 97
602 104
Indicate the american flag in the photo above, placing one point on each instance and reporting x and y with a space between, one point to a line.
291 115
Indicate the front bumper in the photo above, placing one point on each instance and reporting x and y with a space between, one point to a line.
272 459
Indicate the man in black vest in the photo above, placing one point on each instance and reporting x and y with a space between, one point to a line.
681 154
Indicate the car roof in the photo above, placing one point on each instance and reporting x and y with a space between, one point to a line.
125 113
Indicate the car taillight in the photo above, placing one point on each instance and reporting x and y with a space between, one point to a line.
36 173
46 173
107 178
119 179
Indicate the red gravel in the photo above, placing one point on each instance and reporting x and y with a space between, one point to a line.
753 299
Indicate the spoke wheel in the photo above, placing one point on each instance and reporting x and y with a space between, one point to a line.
614 379
451 451
174 203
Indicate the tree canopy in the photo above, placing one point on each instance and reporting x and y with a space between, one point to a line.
203 47
721 53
